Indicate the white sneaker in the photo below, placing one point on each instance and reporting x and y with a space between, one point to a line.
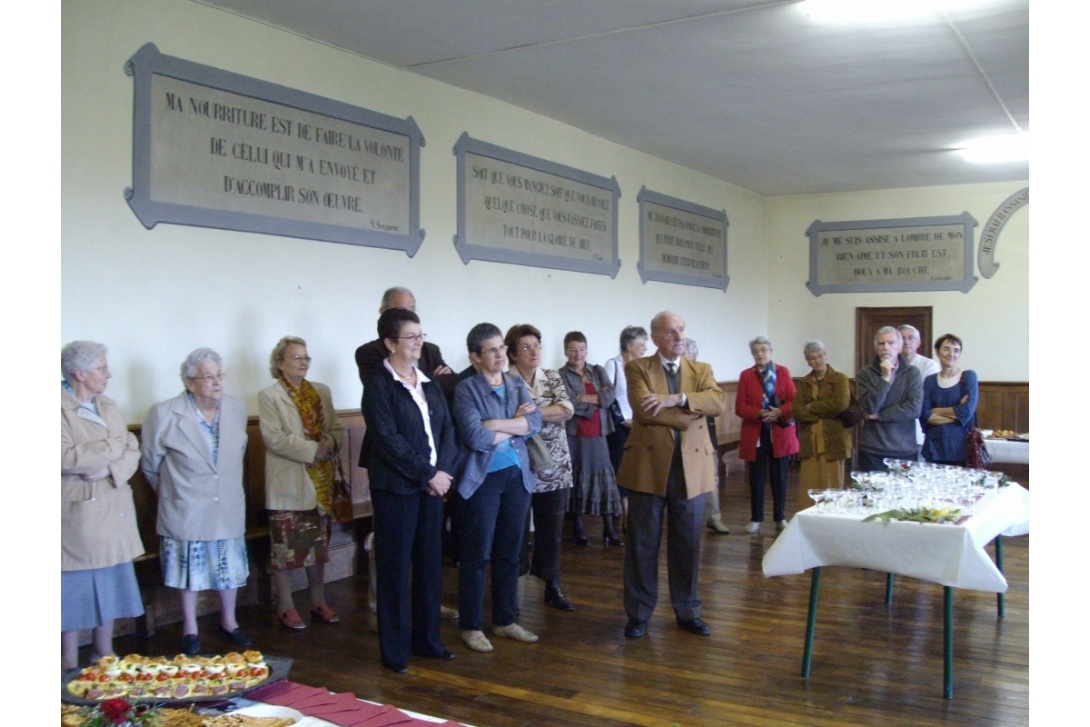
448 613
477 641
780 526
753 528
516 632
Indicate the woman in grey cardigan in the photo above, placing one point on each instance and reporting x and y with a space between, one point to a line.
595 491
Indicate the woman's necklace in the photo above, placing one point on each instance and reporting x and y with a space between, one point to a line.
408 377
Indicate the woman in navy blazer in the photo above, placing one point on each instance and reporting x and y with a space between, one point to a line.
409 452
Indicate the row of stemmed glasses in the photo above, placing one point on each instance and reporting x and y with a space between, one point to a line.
908 485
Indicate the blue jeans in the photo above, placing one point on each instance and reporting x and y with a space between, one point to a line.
491 525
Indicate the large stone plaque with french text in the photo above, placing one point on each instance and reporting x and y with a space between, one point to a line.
898 255
216 149
682 242
515 208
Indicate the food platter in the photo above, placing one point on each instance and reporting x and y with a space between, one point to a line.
1005 434
279 667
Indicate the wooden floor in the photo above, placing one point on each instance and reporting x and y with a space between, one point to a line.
872 664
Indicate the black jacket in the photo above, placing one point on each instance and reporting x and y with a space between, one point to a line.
395 445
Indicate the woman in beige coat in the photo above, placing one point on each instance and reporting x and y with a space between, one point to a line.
99 537
192 447
824 441
301 433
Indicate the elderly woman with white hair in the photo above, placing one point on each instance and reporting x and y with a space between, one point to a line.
766 394
192 448
99 537
301 433
824 441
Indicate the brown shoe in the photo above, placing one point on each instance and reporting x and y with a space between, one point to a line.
291 620
325 614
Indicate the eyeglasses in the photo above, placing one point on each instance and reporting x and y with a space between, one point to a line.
495 351
414 338
209 378
527 347
300 359
101 369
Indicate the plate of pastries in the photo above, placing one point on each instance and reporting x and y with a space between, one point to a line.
164 679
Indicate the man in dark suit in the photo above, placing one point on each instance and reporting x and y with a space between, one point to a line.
369 356
668 467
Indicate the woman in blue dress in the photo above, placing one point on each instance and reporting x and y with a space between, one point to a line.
949 405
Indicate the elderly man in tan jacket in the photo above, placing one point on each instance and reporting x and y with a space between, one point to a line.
668 467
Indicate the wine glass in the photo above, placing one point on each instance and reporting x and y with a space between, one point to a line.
817 495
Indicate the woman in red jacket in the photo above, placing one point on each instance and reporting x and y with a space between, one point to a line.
765 394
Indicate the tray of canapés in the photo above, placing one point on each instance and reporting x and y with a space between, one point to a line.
1007 434
181 678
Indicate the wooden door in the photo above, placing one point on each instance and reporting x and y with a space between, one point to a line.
869 320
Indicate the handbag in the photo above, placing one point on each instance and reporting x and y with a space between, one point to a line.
616 415
976 454
540 459
615 408
342 493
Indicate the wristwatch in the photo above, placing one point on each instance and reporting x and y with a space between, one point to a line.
684 400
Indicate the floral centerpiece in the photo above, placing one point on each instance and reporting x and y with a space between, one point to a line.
120 713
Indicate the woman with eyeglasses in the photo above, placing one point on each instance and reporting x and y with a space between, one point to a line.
302 434
99 537
192 447
494 413
409 453
550 499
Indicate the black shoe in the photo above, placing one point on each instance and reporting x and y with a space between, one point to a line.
696 626
443 655
555 598
400 669
191 644
580 540
238 637
635 628
612 539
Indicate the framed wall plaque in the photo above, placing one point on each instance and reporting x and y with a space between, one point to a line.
989 236
682 242
515 208
216 149
898 255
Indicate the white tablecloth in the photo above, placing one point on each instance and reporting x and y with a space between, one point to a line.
1004 450
950 555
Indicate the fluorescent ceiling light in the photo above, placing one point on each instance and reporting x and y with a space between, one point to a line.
879 11
997 149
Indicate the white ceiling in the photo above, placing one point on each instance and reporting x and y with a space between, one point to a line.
754 92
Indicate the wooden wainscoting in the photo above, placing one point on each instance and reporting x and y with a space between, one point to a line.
1004 405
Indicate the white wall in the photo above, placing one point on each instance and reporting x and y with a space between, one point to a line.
153 296
992 318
